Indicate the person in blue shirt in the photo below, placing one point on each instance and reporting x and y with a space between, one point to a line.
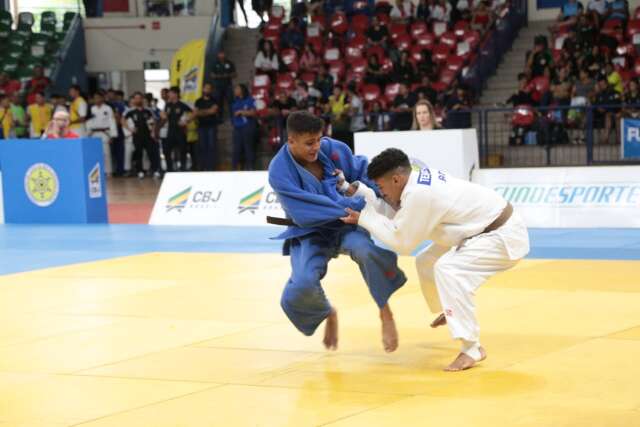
305 174
243 110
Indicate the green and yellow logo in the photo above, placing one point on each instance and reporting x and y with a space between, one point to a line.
179 200
251 202
41 184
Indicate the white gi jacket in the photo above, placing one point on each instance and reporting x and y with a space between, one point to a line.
102 123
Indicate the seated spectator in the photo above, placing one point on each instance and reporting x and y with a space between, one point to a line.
402 11
59 127
569 13
617 9
539 59
462 11
404 71
291 37
585 34
403 109
309 59
423 12
425 91
6 120
592 60
8 86
324 83
378 120
457 108
613 78
375 74
426 66
596 10
301 92
561 87
584 88
266 61
38 83
377 34
523 96
39 114
481 18
280 109
441 11
19 116
424 116
631 100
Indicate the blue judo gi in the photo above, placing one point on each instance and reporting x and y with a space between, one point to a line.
316 208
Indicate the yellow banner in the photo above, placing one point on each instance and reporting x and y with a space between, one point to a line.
187 70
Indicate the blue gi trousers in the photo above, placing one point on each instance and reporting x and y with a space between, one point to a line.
303 299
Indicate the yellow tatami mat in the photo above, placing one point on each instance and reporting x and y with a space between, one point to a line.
173 339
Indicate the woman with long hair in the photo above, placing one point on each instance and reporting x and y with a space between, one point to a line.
266 61
424 116
243 110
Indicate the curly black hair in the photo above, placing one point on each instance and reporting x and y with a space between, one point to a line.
387 161
301 122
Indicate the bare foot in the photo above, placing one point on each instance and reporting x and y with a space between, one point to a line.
441 320
330 340
464 361
389 331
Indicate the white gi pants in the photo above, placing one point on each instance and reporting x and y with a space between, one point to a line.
459 271
106 149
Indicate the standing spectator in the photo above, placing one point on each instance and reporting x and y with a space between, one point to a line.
281 108
224 71
117 143
377 119
176 114
19 116
102 125
424 116
59 103
457 107
38 83
39 114
139 121
402 109
266 61
604 115
193 145
59 127
206 112
614 78
338 109
6 120
244 129
7 85
78 111
356 110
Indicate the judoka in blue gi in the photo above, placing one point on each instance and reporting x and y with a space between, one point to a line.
304 174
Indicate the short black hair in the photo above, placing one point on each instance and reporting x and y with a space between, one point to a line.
304 122
387 161
175 89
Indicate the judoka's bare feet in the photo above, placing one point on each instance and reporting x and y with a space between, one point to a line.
464 361
330 340
439 321
389 331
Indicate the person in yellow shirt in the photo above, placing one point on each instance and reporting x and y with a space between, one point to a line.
78 111
6 118
39 115
614 79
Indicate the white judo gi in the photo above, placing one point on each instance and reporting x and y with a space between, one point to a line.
102 124
453 214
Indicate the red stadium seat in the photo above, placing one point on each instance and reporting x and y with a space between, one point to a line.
262 107
339 23
633 27
537 87
360 23
403 42
308 77
636 67
447 76
386 65
473 38
612 24
260 92
439 86
370 92
439 28
391 91
383 18
460 29
377 51
397 29
523 115
418 28
455 63
273 35
626 75
261 80
290 59
359 65
359 41
285 82
272 26
352 52
448 38
331 54
426 41
416 53
320 20
614 32
336 69
626 49
441 52
355 77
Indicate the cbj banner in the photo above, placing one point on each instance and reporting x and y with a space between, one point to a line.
215 198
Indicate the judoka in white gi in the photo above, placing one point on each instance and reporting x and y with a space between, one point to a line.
102 125
474 231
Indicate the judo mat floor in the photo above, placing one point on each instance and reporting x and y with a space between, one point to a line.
151 326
